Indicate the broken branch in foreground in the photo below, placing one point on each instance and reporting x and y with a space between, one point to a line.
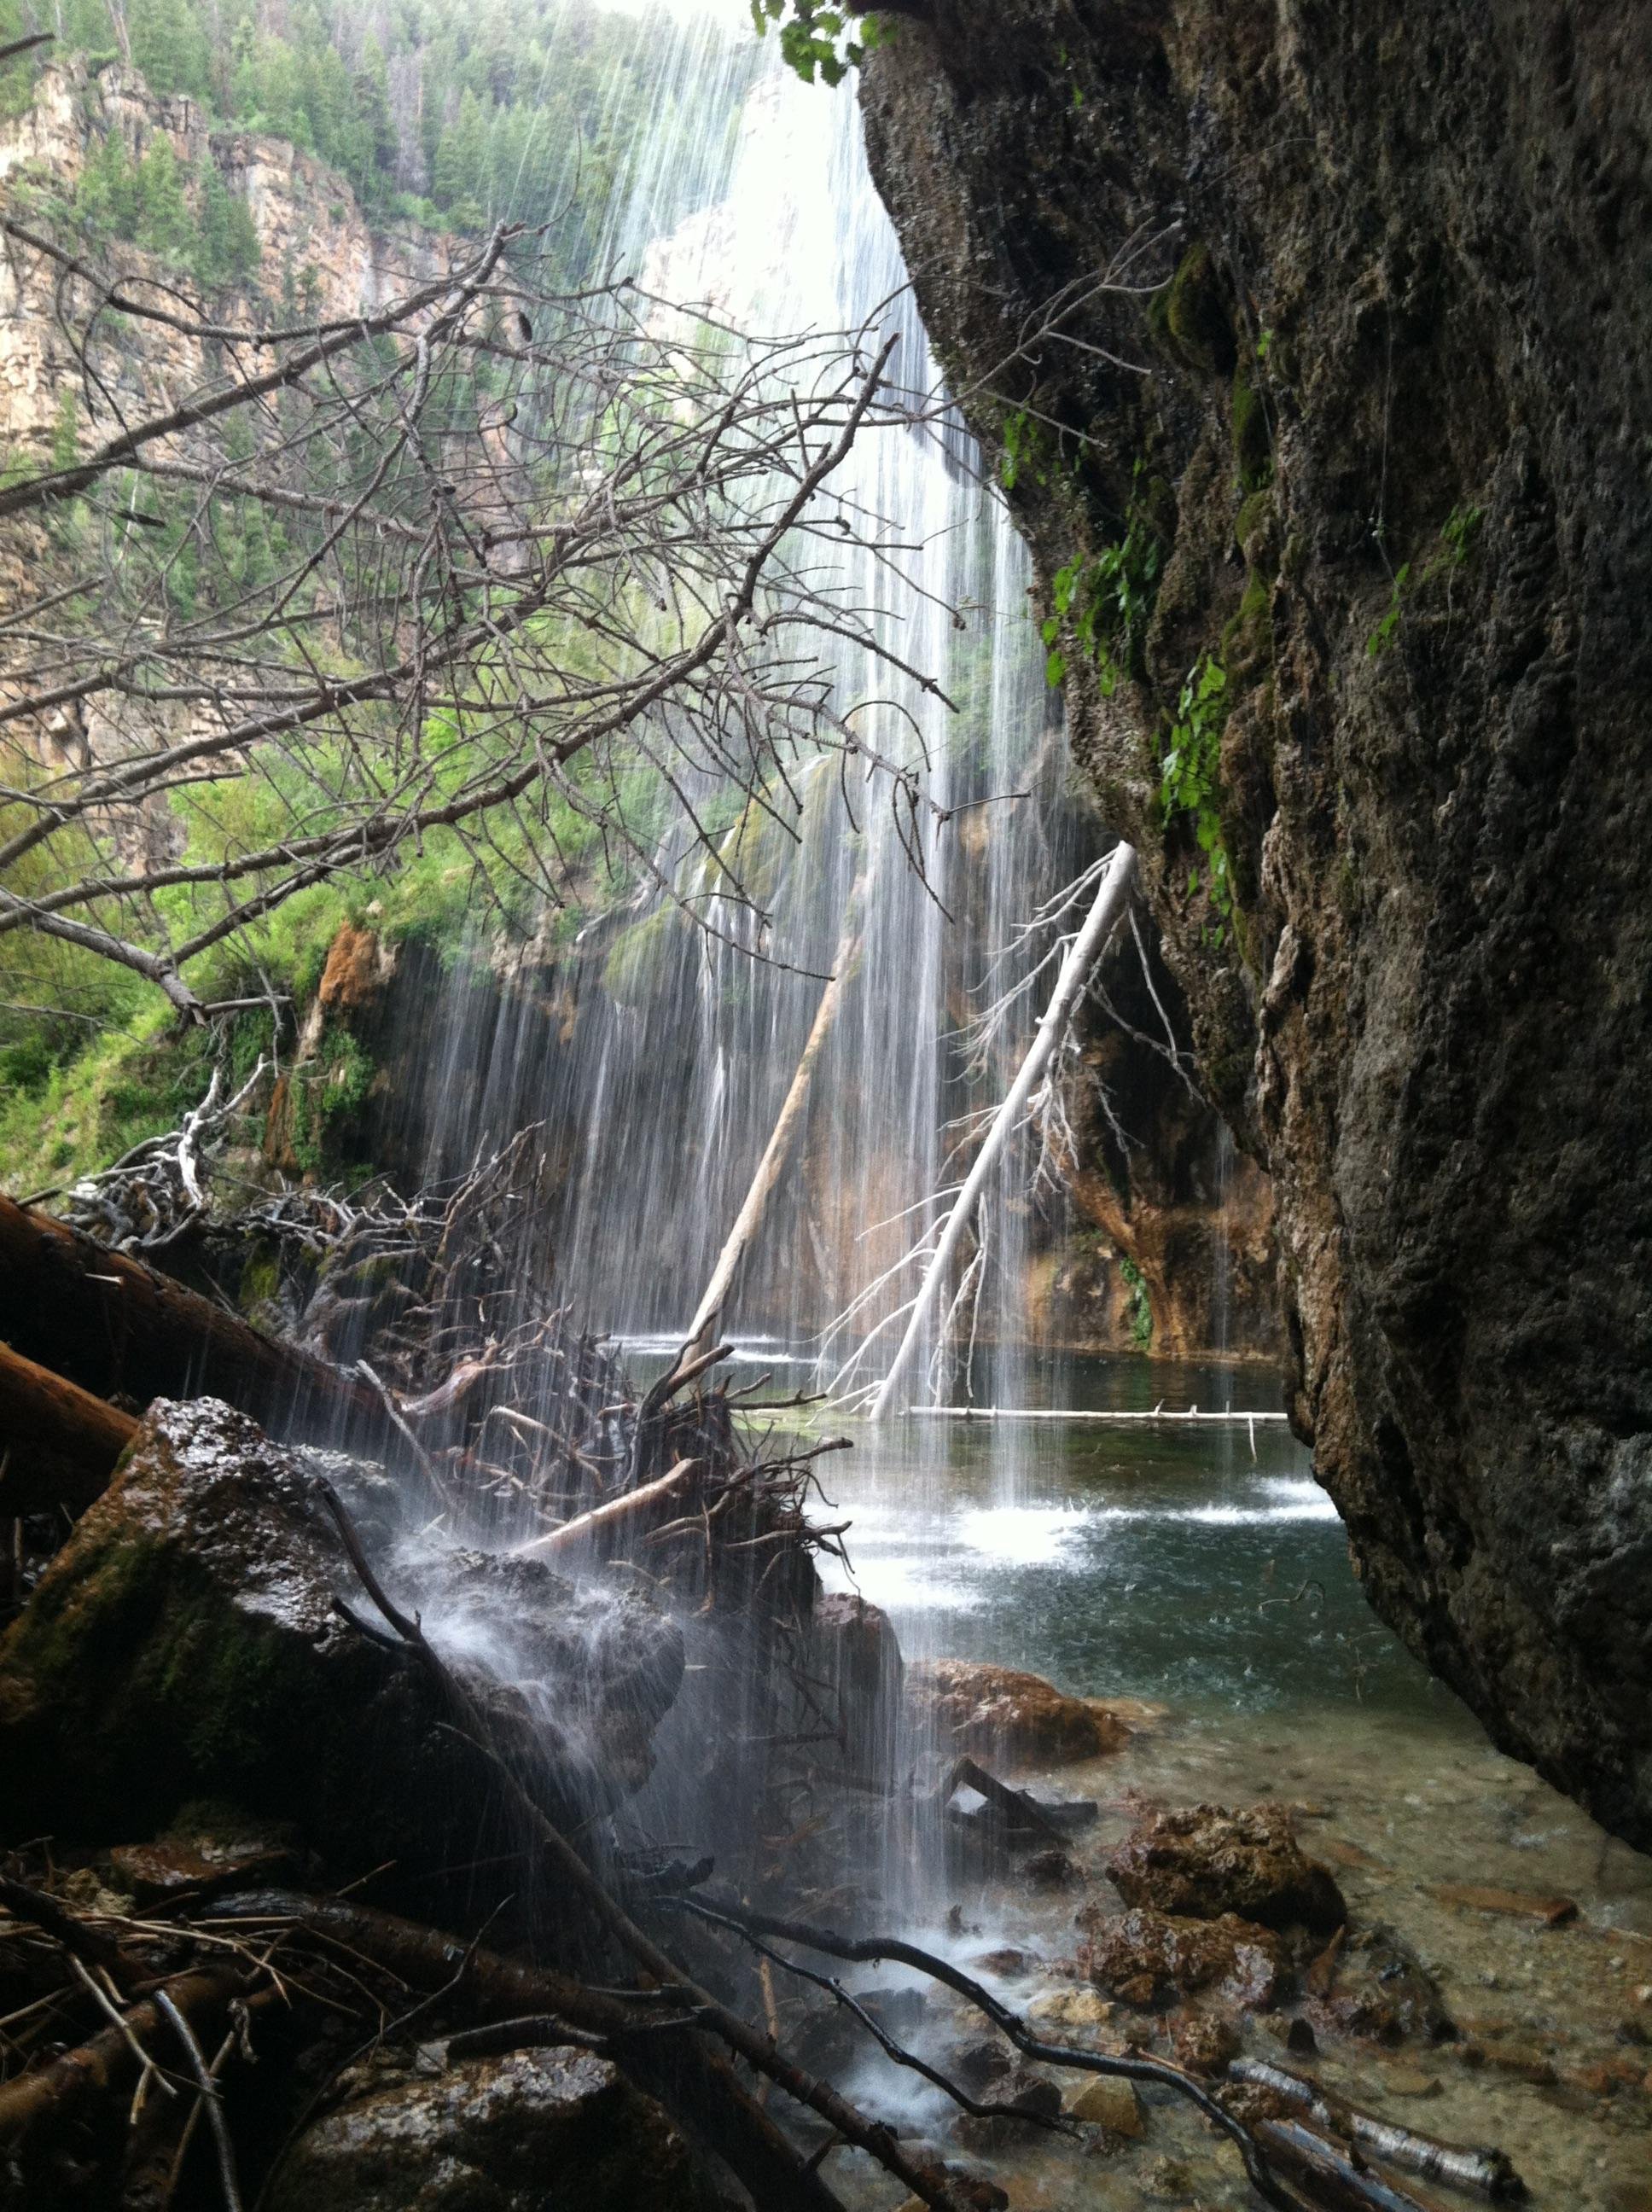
1313 2157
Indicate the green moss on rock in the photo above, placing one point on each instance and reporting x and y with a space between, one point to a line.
635 967
1190 317
1253 438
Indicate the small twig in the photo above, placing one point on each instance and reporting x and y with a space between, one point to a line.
209 2088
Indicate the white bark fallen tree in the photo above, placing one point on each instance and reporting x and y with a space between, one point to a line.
750 1215
1069 1413
1111 902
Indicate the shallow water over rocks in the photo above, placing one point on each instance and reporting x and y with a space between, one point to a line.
1161 1564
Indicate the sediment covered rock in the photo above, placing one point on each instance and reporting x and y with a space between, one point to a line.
555 2130
187 1644
1150 1959
1201 1862
1001 1713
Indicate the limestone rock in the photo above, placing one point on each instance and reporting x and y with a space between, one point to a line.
1069 2010
1109 2103
546 2131
1001 1713
1150 1959
857 1654
1204 2042
187 1644
1201 1861
1023 2090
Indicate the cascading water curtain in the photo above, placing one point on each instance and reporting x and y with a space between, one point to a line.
658 1055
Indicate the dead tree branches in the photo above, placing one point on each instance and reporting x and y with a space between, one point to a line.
530 571
152 1195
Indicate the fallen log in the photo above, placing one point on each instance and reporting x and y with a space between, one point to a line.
749 1220
1486 2172
1333 2175
1019 1810
1112 898
60 1443
58 2095
1069 1413
116 1328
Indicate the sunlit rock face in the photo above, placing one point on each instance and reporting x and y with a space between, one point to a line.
1383 419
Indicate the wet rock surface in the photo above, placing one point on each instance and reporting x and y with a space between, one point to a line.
858 1655
546 2131
187 1644
1150 1959
1001 1713
1386 454
1201 1861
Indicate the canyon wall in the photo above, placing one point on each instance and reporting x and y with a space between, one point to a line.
1342 316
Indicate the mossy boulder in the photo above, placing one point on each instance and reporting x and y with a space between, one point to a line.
188 1642
1253 434
555 2130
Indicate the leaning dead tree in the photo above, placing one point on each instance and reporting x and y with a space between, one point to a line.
939 1251
537 573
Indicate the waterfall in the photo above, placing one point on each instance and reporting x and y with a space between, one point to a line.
661 1067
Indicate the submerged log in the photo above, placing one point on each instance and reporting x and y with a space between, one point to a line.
60 1443
117 1328
1486 2172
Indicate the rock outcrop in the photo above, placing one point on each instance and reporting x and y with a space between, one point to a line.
188 1644
1368 438
1201 1862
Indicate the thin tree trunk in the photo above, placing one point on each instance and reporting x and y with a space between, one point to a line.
59 1443
1111 900
749 1217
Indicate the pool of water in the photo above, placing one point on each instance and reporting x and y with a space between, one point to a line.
1203 1569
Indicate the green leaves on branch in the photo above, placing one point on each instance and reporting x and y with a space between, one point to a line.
825 42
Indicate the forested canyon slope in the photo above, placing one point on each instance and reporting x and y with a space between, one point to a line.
1313 340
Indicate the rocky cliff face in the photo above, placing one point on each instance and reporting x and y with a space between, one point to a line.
1372 442
318 257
